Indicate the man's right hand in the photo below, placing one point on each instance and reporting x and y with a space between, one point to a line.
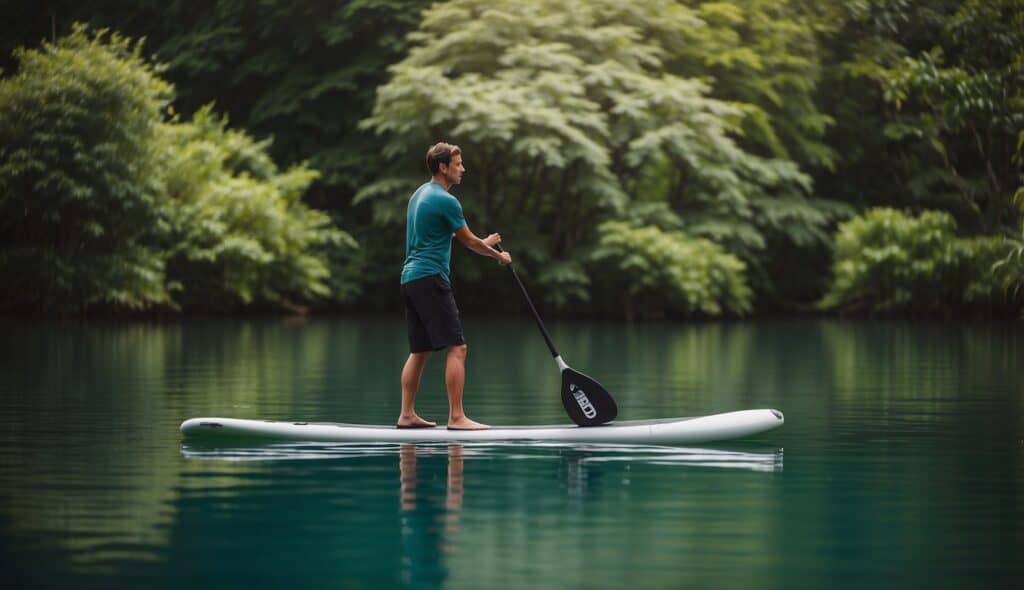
504 258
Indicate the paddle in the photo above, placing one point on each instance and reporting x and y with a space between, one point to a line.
586 401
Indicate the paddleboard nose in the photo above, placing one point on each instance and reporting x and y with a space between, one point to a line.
778 414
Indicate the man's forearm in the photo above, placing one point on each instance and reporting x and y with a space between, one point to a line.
481 248
472 242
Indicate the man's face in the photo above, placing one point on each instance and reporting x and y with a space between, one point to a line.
453 171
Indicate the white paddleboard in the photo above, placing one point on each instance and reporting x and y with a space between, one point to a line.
669 431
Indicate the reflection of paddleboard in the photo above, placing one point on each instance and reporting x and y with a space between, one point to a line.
667 431
762 458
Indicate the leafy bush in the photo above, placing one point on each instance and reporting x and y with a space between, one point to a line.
239 232
985 285
887 261
656 272
80 201
104 204
1010 269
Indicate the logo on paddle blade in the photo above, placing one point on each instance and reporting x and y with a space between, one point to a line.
581 398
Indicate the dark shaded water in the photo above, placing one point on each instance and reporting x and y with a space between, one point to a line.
901 463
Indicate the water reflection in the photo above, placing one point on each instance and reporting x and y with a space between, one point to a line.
769 461
441 485
579 456
428 527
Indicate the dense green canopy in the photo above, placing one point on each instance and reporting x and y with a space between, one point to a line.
642 159
573 113
80 207
107 201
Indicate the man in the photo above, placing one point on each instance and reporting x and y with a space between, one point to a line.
434 215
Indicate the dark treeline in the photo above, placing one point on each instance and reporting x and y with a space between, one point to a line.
644 159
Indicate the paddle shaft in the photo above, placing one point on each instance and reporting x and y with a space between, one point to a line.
585 400
533 310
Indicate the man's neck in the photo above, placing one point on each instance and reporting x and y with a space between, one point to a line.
441 180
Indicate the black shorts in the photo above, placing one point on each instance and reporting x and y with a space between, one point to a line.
431 314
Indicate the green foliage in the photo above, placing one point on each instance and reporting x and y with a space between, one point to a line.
886 261
570 114
656 273
566 282
301 71
105 205
763 54
239 232
987 286
954 104
1010 269
704 119
80 206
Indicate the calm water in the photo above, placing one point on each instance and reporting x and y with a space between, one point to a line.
901 464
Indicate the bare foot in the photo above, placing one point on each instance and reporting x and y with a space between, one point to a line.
465 423
414 421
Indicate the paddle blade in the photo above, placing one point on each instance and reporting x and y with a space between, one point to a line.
586 401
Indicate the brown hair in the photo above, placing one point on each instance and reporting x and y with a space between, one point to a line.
441 153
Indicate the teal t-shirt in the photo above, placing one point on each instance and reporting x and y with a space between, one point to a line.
433 216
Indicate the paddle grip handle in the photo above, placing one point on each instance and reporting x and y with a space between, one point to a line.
533 310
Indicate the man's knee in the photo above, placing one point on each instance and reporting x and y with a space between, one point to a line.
458 350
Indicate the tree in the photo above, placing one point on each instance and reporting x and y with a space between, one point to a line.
570 115
301 71
1010 269
239 234
104 204
947 109
80 198
763 55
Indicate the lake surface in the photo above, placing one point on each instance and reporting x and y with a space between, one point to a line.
901 464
